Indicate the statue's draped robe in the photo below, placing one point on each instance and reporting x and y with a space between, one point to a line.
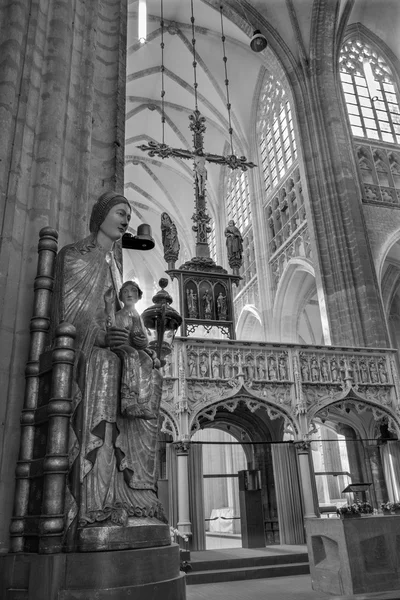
115 456
138 375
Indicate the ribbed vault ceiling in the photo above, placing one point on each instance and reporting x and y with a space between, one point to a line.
154 185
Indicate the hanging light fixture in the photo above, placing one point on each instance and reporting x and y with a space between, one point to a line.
142 21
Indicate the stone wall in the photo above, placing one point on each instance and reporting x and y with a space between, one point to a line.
62 115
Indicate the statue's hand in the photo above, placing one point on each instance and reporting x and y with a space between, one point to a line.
116 336
109 296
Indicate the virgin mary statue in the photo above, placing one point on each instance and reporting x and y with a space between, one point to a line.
112 455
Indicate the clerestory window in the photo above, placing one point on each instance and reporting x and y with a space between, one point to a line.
370 91
275 133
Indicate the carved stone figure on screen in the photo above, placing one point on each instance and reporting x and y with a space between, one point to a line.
373 372
215 365
250 367
363 372
261 368
221 307
191 299
113 455
282 368
234 246
382 373
314 370
324 370
272 371
334 370
204 366
170 241
227 367
207 310
192 364
305 371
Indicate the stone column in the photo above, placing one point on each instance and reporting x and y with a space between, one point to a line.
378 477
303 453
62 115
182 452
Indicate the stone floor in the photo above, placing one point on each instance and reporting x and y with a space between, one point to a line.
297 587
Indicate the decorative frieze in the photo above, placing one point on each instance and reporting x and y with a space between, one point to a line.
294 382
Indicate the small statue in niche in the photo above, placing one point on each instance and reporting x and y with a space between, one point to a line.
250 367
261 368
204 366
215 366
334 370
191 299
170 241
192 364
382 373
373 372
272 372
227 367
207 305
282 368
234 246
305 371
314 370
324 370
354 370
221 307
363 372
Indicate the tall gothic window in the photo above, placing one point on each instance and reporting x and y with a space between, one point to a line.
275 133
370 91
237 199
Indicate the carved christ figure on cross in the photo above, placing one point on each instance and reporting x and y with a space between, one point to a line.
200 172
199 157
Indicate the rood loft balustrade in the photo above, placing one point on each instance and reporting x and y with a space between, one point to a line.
293 379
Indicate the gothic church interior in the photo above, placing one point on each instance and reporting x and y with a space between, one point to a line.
317 309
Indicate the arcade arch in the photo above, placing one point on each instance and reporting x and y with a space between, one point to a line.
296 313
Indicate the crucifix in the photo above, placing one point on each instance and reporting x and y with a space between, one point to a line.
201 218
198 155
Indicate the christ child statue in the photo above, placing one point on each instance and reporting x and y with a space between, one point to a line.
137 360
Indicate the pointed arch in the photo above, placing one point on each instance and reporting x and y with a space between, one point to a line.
296 288
249 325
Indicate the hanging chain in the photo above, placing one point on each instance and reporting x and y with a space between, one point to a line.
225 60
194 64
162 75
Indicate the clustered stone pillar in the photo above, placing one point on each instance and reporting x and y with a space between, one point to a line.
303 452
182 453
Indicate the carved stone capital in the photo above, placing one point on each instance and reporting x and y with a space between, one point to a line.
182 448
302 446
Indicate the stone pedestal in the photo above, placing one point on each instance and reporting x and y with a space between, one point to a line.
118 575
352 556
